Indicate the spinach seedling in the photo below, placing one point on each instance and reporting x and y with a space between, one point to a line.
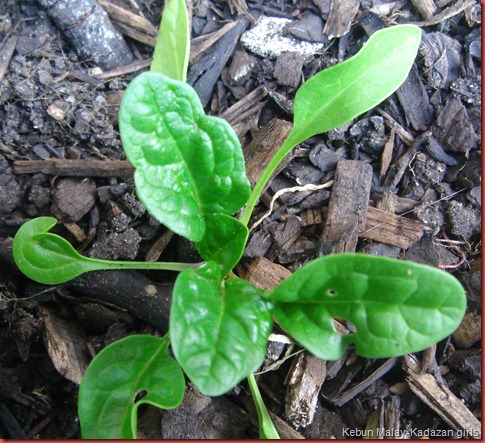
190 175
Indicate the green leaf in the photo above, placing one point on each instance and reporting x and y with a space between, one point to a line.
224 241
218 333
133 371
396 306
172 50
267 430
188 165
48 258
51 260
338 94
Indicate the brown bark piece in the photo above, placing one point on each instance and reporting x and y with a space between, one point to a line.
347 207
200 44
288 69
263 147
76 168
425 7
265 274
439 398
415 101
122 15
204 74
396 171
453 128
385 227
241 67
384 423
66 344
6 53
447 13
306 377
244 107
442 58
340 17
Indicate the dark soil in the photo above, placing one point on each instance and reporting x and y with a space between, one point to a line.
55 105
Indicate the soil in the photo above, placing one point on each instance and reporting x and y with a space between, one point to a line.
57 105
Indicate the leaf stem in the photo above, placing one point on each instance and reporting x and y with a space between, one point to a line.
285 148
160 266
266 426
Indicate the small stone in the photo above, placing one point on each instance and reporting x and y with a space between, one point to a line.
468 362
10 191
241 67
267 39
469 332
427 170
326 159
431 216
427 252
453 128
73 198
465 220
309 28
117 246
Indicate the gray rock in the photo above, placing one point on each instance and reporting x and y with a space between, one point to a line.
267 39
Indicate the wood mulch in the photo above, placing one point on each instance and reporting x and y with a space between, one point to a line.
403 180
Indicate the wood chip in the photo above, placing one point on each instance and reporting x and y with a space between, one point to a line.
356 389
442 59
441 400
265 274
66 345
453 128
6 53
263 147
288 69
384 227
204 74
75 168
340 17
387 153
380 226
305 378
200 44
425 7
415 101
122 15
456 8
398 168
244 107
347 207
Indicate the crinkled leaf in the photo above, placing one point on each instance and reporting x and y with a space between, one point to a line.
124 375
396 306
224 241
171 56
338 94
48 258
188 164
218 332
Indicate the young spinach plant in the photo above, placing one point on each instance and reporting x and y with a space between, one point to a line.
190 175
